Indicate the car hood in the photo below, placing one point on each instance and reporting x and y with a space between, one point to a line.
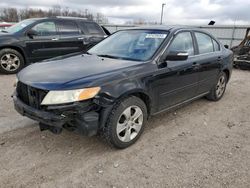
3 35
59 73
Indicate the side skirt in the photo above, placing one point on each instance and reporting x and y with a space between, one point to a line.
181 104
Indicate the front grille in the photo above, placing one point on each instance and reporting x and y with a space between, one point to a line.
30 95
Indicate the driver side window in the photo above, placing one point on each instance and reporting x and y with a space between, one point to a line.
183 42
45 29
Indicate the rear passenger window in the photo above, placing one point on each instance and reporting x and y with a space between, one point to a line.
68 28
205 44
216 46
93 28
183 42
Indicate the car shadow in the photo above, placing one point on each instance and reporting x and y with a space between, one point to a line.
31 137
28 151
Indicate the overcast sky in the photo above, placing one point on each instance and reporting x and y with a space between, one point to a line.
176 11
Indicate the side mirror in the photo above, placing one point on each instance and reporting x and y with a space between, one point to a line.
226 46
177 56
31 33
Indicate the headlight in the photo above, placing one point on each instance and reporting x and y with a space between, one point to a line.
68 96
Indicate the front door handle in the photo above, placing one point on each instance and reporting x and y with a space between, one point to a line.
196 65
219 59
55 39
80 38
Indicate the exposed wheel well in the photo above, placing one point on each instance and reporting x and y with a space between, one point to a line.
145 98
227 73
17 49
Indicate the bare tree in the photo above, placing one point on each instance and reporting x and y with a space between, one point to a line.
100 18
15 15
9 14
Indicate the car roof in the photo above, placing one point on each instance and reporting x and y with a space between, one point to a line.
163 27
167 28
60 18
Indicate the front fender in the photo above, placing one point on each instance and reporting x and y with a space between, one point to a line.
113 92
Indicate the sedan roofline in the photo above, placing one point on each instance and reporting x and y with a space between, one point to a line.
161 27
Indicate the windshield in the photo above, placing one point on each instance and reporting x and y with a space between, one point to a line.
19 26
139 45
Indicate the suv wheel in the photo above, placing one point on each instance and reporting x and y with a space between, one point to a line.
11 61
219 89
126 122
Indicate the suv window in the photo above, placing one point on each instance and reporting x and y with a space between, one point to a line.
45 28
93 28
247 43
68 28
204 41
216 45
183 42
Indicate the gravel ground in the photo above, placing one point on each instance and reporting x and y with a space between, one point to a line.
204 144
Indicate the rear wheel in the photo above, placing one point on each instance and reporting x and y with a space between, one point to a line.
11 61
126 122
219 89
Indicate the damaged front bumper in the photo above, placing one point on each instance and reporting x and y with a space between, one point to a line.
83 118
242 61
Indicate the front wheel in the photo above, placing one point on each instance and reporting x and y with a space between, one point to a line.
126 122
11 61
219 89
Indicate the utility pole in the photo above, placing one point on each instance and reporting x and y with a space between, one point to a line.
162 7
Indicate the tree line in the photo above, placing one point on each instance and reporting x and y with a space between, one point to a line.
16 15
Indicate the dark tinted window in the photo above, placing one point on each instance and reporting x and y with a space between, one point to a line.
205 44
93 28
68 28
83 27
183 42
248 43
45 29
216 46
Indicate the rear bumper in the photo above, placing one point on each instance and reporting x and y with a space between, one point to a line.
85 122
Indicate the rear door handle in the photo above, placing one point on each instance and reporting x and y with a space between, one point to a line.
86 41
55 39
80 38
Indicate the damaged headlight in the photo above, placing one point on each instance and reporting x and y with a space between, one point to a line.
68 96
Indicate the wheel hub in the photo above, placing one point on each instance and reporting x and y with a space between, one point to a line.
129 123
220 87
10 62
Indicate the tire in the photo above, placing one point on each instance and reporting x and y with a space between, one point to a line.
121 129
219 89
11 61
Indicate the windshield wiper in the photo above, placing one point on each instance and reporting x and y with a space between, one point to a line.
116 57
108 56
4 31
87 53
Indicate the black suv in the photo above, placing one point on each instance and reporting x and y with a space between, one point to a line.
113 88
33 40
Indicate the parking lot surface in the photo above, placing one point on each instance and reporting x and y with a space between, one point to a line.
204 144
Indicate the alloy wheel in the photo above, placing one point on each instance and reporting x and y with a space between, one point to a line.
129 123
10 62
221 86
